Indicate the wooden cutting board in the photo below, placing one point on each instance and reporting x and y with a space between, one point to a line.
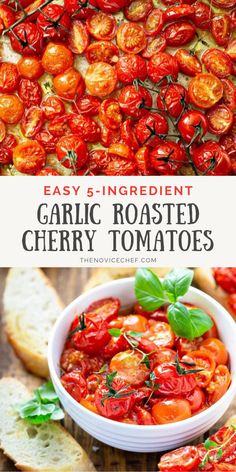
69 283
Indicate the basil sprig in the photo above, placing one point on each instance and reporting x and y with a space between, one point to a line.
44 406
152 293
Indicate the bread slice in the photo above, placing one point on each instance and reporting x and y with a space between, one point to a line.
46 447
104 275
31 307
204 279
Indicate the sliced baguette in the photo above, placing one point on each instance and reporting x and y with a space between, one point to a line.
31 307
103 275
204 279
46 447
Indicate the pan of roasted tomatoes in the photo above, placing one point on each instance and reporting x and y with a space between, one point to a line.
131 367
117 88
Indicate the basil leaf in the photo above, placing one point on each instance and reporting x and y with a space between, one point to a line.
47 393
208 444
179 319
201 322
148 290
57 415
116 333
39 419
177 283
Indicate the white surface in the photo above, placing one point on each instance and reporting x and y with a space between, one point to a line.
139 438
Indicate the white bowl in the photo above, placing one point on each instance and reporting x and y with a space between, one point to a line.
138 438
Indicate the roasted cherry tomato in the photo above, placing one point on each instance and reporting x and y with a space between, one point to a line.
189 63
227 4
54 21
32 122
47 141
151 128
176 12
154 22
52 107
85 128
100 79
102 26
111 6
72 151
154 46
130 67
217 62
30 92
106 308
120 150
202 360
205 90
219 384
133 101
6 148
161 334
128 135
226 278
57 58
179 33
184 458
75 384
91 336
113 406
193 125
27 39
220 119
110 113
216 348
7 17
171 410
30 67
137 10
196 398
221 29
102 51
59 126
229 94
131 38
172 384
69 84
161 65
211 159
29 157
114 346
202 15
11 108
167 158
231 51
87 105
8 77
173 98
78 37
129 367
135 323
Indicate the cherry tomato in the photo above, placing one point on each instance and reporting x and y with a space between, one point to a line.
132 100
106 308
47 141
130 67
54 21
29 157
72 151
162 356
27 39
59 126
219 384
6 149
8 77
7 17
228 143
135 323
202 360
176 12
227 4
172 384
87 105
193 125
216 348
211 159
110 113
100 79
154 46
102 51
93 337
202 15
32 122
221 29
57 58
30 92
161 65
2 131
52 107
184 458
229 94
158 315
120 150
173 98
102 26
109 136
217 62
161 334
129 367
150 128
118 166
73 359
75 384
205 90
85 128
189 63
154 22
226 278
171 411
167 158
111 6
142 160
179 33
137 10
143 416
185 345
30 67
131 38
78 37
69 84
77 9
114 346
220 119
231 50
196 399
113 407
128 135
11 108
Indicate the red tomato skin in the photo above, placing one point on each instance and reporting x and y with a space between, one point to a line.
68 144
131 99
157 123
114 408
154 46
111 6
52 107
161 65
225 277
174 461
208 151
34 36
9 77
52 15
179 34
176 12
78 38
171 384
105 51
221 29
210 59
93 338
154 22
30 92
32 121
6 149
128 135
7 17
85 127
189 64
229 94
130 67
106 308
202 15
171 97
159 158
196 399
87 105
47 140
75 384
220 119
139 13
231 50
189 121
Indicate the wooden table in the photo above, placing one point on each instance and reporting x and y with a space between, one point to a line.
69 283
